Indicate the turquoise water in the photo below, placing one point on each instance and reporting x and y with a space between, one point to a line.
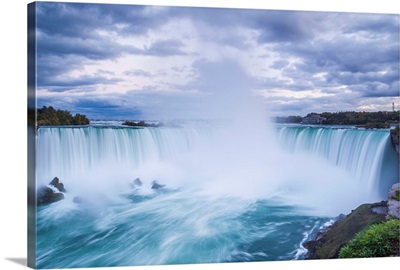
174 227
230 196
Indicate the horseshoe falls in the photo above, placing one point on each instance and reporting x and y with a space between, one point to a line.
230 193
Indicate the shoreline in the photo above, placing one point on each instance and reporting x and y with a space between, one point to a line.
328 242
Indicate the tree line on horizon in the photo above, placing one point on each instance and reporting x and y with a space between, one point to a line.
48 116
348 118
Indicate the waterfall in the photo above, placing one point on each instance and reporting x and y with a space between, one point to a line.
367 154
232 193
303 162
66 152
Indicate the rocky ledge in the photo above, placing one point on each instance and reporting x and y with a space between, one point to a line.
328 243
395 137
51 193
138 183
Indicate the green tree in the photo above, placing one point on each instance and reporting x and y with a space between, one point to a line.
64 117
48 116
80 119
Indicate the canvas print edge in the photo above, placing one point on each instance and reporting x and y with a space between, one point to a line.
31 136
31 133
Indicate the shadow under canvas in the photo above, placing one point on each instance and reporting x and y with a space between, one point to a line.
20 261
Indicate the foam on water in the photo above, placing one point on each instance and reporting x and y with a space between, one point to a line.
232 193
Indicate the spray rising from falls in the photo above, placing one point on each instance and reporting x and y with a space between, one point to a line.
232 193
367 155
302 166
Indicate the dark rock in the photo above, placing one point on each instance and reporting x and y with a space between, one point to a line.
340 217
55 181
155 185
137 182
395 138
46 195
328 243
57 184
60 187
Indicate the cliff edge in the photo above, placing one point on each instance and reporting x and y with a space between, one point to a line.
328 243
394 136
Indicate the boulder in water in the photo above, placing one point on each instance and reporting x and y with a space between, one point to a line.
328 243
136 183
156 185
57 184
60 187
46 195
51 193
55 181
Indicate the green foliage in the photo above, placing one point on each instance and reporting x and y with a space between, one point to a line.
134 124
396 195
381 119
48 116
378 240
375 125
139 124
80 119
289 119
361 118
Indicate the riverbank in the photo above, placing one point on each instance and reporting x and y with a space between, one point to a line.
328 243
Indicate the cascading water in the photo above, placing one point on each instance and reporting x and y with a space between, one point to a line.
70 152
232 193
367 154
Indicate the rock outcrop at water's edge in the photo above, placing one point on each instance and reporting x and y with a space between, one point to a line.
51 193
394 136
136 183
329 242
155 185
57 184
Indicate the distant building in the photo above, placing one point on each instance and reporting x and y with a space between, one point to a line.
313 119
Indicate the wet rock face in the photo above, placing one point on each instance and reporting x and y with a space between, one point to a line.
328 243
136 183
57 184
395 138
156 185
47 194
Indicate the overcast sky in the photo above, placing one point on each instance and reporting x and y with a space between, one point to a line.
153 62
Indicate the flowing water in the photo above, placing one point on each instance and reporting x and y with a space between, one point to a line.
232 194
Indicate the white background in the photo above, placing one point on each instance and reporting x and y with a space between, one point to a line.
13 142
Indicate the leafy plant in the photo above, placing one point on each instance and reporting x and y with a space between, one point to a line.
379 240
396 195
